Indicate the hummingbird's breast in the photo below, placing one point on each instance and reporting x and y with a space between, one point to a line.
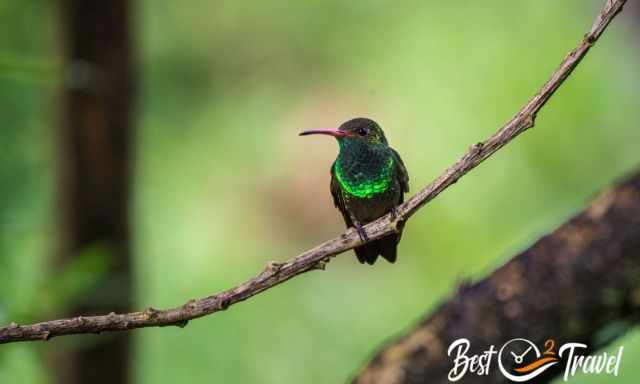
364 174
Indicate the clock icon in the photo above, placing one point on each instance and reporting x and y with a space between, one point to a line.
520 360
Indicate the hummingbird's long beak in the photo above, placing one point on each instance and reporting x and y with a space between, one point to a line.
330 132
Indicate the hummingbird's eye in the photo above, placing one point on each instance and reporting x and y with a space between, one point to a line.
362 131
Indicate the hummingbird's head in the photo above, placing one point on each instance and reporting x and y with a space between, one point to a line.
357 131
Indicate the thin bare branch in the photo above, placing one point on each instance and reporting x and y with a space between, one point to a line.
315 258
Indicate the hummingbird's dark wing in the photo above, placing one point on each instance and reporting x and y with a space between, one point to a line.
401 172
338 200
388 246
366 253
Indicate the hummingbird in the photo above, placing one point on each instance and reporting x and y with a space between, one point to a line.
368 180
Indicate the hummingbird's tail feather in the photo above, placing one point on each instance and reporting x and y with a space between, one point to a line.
388 247
385 247
367 253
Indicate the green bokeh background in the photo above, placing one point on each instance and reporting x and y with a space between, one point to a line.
224 185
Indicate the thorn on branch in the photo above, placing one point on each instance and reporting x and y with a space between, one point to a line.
322 264
272 268
476 148
46 336
396 220
13 325
190 305
150 313
223 304
395 224
528 121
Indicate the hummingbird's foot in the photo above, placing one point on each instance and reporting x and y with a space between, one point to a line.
361 232
394 213
396 219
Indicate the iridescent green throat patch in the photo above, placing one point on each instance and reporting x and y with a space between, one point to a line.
366 189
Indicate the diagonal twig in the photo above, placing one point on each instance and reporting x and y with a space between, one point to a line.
276 273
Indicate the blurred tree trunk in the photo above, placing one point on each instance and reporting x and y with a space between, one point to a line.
634 10
580 283
95 141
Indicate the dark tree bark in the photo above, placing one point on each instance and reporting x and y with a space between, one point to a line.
95 144
634 10
580 283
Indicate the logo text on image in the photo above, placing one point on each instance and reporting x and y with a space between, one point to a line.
520 360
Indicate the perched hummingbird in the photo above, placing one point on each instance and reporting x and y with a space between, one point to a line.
368 180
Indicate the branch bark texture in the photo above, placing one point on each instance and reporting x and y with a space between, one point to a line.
580 283
315 258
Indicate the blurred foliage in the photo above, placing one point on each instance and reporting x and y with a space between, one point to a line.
26 174
224 185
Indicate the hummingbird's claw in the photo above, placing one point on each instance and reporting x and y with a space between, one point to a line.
394 213
361 233
396 220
